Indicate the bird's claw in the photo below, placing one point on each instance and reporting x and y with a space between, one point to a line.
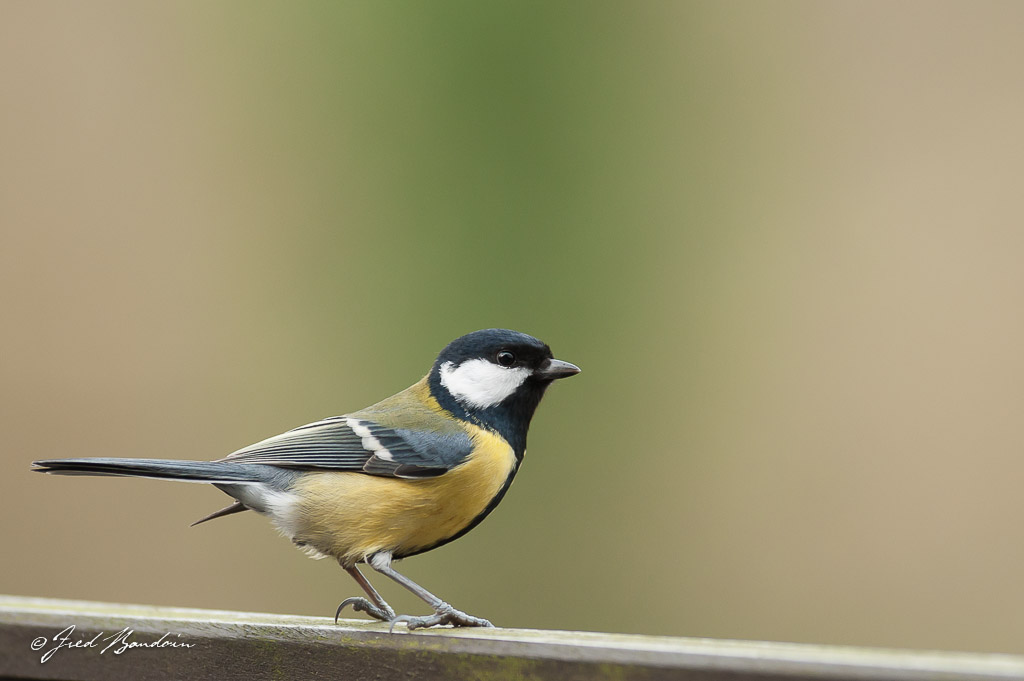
443 614
360 604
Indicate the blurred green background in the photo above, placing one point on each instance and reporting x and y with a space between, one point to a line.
784 240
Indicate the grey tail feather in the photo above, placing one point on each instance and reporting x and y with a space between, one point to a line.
236 507
197 471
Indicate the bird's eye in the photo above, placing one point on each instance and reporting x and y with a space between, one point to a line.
506 358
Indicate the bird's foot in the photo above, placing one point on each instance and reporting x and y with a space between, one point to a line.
443 614
360 604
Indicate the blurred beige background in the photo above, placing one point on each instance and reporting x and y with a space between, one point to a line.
784 240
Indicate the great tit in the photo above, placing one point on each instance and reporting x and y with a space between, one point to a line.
406 475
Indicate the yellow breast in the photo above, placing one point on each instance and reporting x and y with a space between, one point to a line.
353 515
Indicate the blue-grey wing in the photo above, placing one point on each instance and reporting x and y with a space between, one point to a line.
346 443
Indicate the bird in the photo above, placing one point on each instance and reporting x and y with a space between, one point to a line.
406 475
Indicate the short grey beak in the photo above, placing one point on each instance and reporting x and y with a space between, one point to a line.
555 368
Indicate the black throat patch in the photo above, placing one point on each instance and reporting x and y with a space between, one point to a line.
510 418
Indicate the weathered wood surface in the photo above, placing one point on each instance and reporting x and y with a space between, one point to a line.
235 645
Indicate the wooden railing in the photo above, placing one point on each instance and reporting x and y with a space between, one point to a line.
84 640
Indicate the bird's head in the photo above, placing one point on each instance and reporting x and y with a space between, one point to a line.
498 377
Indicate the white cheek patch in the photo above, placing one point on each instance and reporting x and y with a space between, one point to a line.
479 384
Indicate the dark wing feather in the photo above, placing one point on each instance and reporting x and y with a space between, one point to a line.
345 443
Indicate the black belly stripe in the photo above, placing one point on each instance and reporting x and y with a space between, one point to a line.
473 523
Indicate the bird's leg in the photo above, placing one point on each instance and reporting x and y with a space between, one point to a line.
376 607
443 612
